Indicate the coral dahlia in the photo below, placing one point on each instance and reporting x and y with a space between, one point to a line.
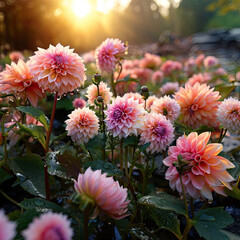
109 197
205 170
48 226
198 104
58 69
82 125
158 131
124 116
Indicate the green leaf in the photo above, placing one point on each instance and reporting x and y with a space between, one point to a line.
126 79
235 192
30 166
106 167
40 204
34 131
130 141
54 167
4 176
143 147
208 223
141 232
204 128
166 220
65 103
36 113
96 145
164 201
224 90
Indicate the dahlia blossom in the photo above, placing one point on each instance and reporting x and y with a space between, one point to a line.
108 54
7 229
167 107
169 88
104 92
198 104
228 114
238 76
124 116
150 102
136 96
169 66
79 103
142 74
15 56
58 69
109 197
82 125
205 170
199 60
17 79
151 61
157 77
48 226
158 131
200 78
210 61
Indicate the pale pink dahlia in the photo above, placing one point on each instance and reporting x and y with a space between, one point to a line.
228 114
88 57
167 107
238 76
151 61
82 125
136 96
210 61
104 92
205 170
18 79
7 229
150 102
157 131
109 197
48 226
169 66
157 77
124 117
142 74
169 88
200 78
108 54
199 60
15 56
58 69
79 103
198 104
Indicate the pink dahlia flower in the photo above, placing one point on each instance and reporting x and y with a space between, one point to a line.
198 104
220 72
238 76
142 74
58 69
151 61
108 54
210 61
82 125
199 60
157 131
124 117
79 103
205 170
167 107
169 66
7 229
109 197
88 57
104 92
135 96
17 79
15 56
169 88
228 114
200 78
130 64
48 226
157 77
150 102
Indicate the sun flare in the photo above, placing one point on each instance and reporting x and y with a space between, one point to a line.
81 8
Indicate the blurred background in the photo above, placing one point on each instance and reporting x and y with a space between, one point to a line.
84 24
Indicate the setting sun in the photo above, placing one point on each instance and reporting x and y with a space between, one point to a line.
81 7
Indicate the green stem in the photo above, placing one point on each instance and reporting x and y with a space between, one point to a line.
184 195
126 161
47 186
121 154
104 132
112 148
9 198
222 135
113 86
5 141
86 220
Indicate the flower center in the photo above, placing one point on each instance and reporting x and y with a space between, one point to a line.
53 233
165 111
84 121
58 59
119 114
193 108
159 131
